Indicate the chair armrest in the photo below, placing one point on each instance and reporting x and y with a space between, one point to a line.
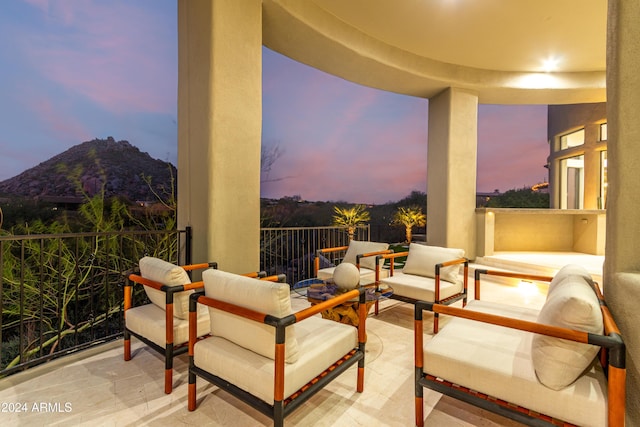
510 274
316 260
457 261
391 256
280 278
191 267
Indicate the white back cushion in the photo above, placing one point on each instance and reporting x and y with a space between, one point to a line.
258 295
573 304
170 275
358 248
564 272
422 261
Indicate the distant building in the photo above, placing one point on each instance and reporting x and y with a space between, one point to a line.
578 156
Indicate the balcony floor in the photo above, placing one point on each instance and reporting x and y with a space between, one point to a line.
100 388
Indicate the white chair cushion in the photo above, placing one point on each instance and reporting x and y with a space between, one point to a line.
422 261
573 304
170 275
420 287
366 276
564 272
497 361
258 295
359 248
321 343
149 321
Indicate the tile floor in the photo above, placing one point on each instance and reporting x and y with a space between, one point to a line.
97 388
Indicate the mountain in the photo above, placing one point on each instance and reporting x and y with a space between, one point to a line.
117 164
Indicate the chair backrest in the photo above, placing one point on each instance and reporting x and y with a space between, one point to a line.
422 260
358 247
170 275
262 296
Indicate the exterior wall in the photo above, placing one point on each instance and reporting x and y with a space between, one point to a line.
540 230
564 119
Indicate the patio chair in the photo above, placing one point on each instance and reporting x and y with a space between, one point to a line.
263 353
163 324
361 254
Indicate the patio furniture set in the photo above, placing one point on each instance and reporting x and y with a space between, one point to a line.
241 334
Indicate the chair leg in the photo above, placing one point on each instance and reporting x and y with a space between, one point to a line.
419 412
168 381
191 397
435 323
360 384
376 307
127 346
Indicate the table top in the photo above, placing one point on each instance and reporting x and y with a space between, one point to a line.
320 290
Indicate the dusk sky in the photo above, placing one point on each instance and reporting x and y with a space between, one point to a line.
72 71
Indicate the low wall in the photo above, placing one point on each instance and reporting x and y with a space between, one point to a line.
540 230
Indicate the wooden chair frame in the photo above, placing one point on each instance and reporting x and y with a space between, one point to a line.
446 301
169 351
612 359
282 405
319 252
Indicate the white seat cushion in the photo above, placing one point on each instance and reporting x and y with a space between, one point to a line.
321 343
170 275
420 287
149 321
262 296
497 361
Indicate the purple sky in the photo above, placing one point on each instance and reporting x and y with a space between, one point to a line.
71 71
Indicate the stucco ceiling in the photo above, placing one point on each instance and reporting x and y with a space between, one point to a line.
496 48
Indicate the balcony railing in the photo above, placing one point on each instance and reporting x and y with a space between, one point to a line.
61 292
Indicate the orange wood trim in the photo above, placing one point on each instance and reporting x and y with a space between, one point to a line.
616 395
234 309
278 385
127 299
144 281
192 397
519 275
522 325
453 262
360 384
383 252
335 249
169 323
168 380
418 344
476 294
316 266
127 350
194 285
436 294
253 274
274 278
193 330
324 305
195 266
419 412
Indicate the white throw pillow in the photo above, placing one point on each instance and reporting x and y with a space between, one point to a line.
574 305
564 272
422 261
170 275
359 248
258 295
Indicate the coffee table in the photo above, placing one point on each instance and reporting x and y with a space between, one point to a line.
317 290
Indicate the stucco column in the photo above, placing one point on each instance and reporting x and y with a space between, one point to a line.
451 170
622 253
219 129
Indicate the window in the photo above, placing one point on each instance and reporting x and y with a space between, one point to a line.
603 132
572 183
572 139
602 199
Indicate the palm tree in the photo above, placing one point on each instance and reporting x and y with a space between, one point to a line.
409 217
350 218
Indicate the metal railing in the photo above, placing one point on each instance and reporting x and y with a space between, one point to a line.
60 292
291 250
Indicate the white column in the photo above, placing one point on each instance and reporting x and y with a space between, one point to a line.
622 253
451 170
219 129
